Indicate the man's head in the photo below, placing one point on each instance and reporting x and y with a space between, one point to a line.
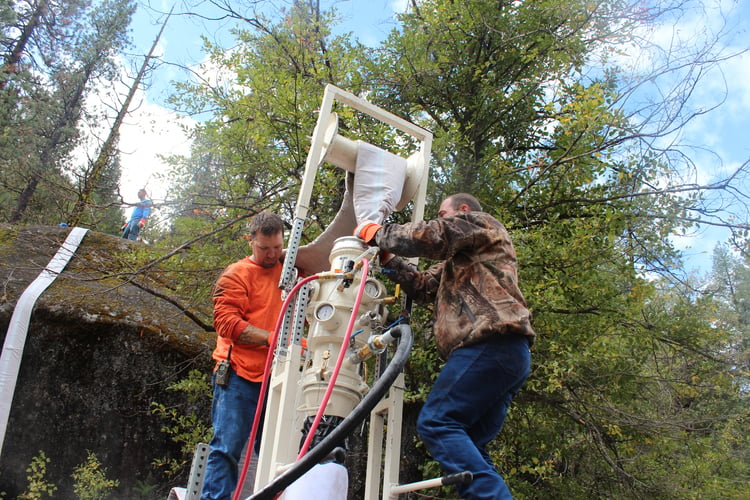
266 238
142 194
460 202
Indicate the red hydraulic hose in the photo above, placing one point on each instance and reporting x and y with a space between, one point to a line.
271 490
339 361
264 385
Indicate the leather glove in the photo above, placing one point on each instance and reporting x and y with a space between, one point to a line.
366 230
124 225
142 223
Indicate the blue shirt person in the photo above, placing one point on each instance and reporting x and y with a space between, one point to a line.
138 217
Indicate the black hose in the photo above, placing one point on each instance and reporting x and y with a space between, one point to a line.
357 416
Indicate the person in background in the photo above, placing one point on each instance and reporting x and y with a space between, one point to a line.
132 228
247 303
481 326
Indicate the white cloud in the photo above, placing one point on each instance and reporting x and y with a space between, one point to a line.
399 6
149 133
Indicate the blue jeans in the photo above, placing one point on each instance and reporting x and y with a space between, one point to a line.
466 409
232 413
132 230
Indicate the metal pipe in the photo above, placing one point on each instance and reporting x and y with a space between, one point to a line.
460 477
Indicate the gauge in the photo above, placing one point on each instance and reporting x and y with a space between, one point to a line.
372 289
324 312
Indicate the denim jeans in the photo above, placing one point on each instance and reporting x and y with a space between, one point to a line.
132 230
466 409
232 413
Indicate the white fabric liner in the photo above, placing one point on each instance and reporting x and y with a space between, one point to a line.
372 192
378 181
323 482
177 493
313 257
15 339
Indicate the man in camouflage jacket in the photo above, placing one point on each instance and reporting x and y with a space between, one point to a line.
482 328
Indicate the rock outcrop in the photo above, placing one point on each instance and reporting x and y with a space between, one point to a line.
105 341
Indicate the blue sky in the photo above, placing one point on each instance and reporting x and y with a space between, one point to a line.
719 138
153 130
369 20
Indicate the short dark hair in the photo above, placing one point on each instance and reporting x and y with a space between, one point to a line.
266 223
470 201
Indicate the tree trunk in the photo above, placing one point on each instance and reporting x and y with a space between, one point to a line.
91 182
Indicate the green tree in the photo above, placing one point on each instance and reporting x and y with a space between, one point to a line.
95 186
249 154
263 109
591 203
34 37
68 48
730 286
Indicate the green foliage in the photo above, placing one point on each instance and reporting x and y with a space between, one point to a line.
639 381
38 486
646 390
455 66
184 425
90 480
730 286
68 48
250 155
145 489
625 363
422 367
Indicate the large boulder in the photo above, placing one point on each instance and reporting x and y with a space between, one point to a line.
104 342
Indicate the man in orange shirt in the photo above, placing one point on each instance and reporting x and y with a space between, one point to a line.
247 303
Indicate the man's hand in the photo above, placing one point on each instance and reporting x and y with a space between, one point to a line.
366 230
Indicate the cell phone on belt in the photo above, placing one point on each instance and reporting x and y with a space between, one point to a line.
222 371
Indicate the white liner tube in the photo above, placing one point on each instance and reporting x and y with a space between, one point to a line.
15 339
328 481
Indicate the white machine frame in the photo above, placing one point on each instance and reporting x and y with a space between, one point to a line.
283 419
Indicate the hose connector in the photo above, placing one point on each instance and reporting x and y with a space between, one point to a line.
376 344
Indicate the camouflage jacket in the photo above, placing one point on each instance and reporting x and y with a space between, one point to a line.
475 287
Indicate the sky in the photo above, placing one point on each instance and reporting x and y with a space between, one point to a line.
152 129
719 136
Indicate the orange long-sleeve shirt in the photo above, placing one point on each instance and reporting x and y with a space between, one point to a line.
245 293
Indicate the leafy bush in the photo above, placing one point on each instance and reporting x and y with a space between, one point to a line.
185 426
38 485
91 481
